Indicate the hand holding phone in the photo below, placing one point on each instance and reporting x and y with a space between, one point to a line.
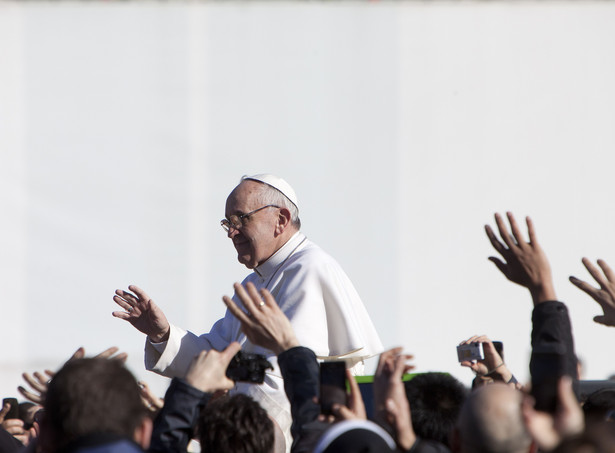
332 385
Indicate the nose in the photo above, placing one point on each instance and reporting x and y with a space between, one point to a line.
232 232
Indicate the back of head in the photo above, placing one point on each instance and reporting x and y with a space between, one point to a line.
435 401
235 424
600 405
352 436
491 422
90 396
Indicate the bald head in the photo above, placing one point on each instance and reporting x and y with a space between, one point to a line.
490 422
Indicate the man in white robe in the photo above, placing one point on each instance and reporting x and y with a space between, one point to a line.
326 313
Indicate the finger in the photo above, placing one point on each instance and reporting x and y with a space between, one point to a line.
78 354
122 357
601 319
583 286
33 383
531 231
593 270
122 315
499 264
504 234
107 353
242 316
123 303
515 229
497 245
30 396
230 351
141 295
255 297
126 296
246 298
608 272
5 409
343 413
269 300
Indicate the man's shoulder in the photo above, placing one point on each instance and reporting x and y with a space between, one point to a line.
310 253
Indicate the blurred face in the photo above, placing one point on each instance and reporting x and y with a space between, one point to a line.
256 240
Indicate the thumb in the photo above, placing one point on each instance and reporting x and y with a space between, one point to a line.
600 319
5 409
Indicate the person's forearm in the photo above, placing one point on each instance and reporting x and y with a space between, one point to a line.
174 425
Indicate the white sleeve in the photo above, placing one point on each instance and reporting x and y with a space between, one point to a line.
178 352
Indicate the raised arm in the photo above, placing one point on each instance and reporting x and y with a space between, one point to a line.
142 313
605 294
525 263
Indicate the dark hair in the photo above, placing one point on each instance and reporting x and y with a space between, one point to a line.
90 396
600 405
235 424
435 401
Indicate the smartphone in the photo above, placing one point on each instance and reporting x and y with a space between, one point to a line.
546 369
14 411
499 347
332 385
469 352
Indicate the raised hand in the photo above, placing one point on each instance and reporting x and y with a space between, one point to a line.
390 401
525 263
265 324
207 371
548 430
492 365
605 295
151 401
142 313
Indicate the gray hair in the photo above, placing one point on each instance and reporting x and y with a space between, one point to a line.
271 195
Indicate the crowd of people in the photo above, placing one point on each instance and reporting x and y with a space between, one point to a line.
297 309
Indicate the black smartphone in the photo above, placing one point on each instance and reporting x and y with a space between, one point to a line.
499 347
546 369
332 385
246 367
14 411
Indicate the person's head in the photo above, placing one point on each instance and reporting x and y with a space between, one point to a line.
93 396
351 436
600 406
236 423
273 217
435 401
490 421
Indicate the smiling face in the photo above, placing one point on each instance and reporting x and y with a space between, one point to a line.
260 235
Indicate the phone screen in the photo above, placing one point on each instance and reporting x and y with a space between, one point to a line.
332 385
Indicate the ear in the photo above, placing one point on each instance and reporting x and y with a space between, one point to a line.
283 221
143 432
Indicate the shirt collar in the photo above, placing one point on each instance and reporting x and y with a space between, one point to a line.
266 269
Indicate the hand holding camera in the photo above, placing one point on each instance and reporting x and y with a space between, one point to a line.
481 355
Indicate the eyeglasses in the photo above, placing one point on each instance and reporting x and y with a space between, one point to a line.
236 221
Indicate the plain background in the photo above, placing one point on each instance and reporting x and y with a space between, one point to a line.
402 127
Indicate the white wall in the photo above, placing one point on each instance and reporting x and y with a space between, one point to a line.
402 127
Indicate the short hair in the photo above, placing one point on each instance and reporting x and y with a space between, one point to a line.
435 401
600 405
90 396
235 424
271 195
491 421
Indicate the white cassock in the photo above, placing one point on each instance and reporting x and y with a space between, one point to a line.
324 309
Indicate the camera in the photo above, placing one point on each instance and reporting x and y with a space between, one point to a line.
470 352
246 367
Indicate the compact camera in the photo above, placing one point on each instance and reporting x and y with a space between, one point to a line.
470 352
